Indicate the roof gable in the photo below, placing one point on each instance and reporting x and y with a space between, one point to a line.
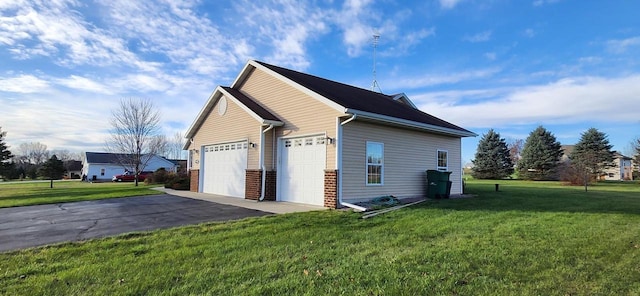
247 104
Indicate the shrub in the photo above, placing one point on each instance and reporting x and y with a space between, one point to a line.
571 175
160 176
178 182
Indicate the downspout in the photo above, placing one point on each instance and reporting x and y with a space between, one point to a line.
339 143
264 171
349 120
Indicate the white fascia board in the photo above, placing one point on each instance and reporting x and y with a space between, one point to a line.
410 123
299 87
243 74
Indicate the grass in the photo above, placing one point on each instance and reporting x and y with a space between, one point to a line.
16 194
528 239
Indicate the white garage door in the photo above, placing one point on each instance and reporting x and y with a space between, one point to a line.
302 168
224 169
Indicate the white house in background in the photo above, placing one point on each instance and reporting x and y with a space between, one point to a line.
622 169
103 166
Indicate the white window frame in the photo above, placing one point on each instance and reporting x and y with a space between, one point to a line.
367 164
442 168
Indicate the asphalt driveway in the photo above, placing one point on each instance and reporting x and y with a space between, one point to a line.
30 226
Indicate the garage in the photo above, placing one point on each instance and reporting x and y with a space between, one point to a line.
301 173
225 169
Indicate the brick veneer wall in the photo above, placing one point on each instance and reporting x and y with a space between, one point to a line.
253 184
194 180
331 189
270 186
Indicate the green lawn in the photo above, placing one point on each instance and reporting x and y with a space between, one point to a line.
32 193
528 239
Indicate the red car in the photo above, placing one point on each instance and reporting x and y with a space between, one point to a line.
130 177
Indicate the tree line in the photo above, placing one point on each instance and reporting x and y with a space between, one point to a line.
540 157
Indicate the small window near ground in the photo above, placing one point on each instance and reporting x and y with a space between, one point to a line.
443 160
610 175
375 163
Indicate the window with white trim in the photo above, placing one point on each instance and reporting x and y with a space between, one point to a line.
443 160
375 163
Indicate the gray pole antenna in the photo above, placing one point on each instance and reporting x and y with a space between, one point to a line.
375 85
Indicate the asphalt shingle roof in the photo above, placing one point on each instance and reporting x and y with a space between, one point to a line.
251 104
352 97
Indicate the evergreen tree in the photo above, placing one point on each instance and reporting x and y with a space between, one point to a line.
592 154
6 164
540 156
52 169
492 159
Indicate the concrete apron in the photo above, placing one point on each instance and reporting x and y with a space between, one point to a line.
275 207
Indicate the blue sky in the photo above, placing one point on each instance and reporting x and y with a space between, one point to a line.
507 65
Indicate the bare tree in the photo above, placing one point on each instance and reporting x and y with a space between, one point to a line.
62 154
175 146
162 145
515 150
135 127
33 153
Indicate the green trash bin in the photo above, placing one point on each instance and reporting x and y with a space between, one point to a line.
432 189
433 175
438 184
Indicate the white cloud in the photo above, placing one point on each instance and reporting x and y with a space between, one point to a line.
479 37
544 2
491 56
57 30
576 99
356 20
69 122
449 4
285 27
24 84
413 82
622 45
84 84
529 33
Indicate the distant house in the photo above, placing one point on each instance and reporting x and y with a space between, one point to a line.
622 169
73 169
566 152
181 165
103 166
279 134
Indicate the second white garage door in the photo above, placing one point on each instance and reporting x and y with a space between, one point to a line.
225 169
301 178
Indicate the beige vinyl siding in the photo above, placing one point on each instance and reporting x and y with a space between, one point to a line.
269 150
235 125
407 155
302 115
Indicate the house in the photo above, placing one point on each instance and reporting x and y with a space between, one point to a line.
103 166
73 169
279 134
621 170
181 165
